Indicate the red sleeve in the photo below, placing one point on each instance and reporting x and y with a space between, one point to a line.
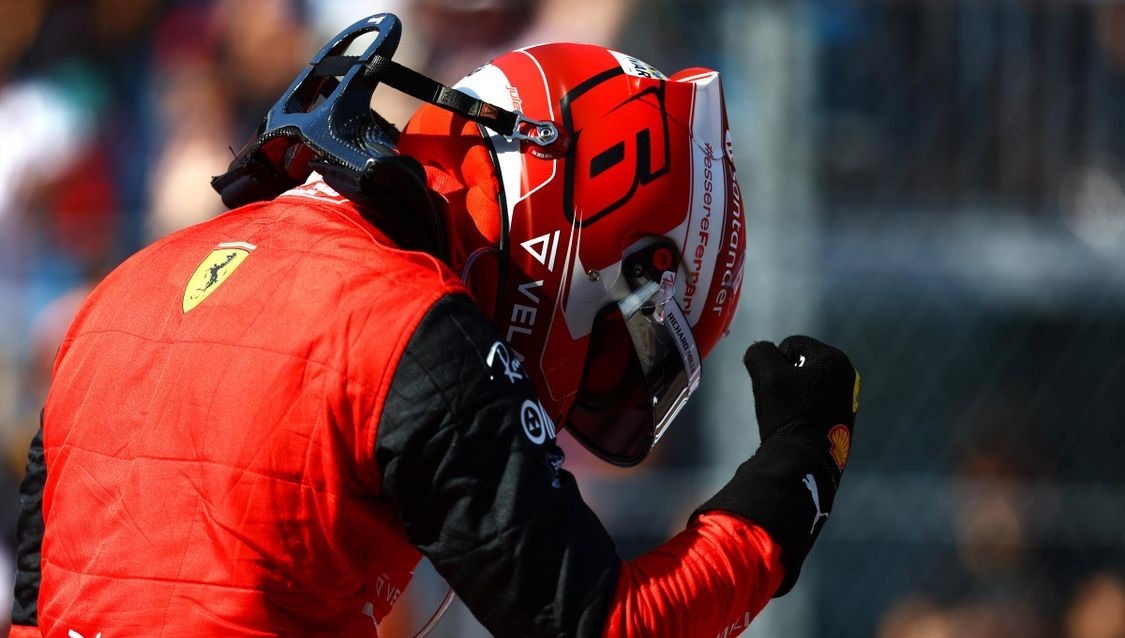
709 580
24 631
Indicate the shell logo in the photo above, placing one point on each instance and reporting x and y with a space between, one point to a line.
841 445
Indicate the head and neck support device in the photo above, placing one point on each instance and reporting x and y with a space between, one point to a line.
324 122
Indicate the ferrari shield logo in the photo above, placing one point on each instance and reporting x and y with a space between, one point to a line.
214 271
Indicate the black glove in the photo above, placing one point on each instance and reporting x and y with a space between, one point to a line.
806 395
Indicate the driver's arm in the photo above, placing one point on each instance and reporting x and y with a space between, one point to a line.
481 493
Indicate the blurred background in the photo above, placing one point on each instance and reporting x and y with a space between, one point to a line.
935 187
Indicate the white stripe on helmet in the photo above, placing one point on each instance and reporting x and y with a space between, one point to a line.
705 232
490 84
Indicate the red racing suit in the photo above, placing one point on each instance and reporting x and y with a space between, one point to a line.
258 425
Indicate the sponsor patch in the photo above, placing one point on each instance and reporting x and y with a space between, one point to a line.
677 325
543 249
814 492
638 68
840 445
214 270
500 359
536 424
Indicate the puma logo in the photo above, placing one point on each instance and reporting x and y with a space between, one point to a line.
810 483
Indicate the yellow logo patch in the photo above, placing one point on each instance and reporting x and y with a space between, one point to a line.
840 447
855 394
214 271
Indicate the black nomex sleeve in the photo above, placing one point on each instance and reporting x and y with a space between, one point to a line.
470 459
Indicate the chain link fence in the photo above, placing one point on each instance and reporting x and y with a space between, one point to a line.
966 246
973 260
937 188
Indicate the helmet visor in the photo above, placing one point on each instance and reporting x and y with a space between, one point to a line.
643 366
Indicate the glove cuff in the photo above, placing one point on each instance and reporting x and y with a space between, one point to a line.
787 489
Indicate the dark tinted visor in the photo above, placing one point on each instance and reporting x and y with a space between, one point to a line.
642 367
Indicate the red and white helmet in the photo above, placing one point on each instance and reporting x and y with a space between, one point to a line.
612 262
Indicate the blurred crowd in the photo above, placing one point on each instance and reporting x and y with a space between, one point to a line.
114 115
979 147
1096 610
999 579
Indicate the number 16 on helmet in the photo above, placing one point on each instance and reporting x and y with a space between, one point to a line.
620 246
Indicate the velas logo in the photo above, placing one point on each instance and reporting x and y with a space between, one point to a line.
840 445
214 270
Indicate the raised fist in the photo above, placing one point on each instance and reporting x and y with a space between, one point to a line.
806 394
805 389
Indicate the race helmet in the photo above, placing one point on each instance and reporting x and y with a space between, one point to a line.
608 246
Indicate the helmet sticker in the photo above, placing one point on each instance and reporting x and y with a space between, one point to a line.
615 168
700 250
731 259
685 342
543 249
522 320
637 68
709 203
